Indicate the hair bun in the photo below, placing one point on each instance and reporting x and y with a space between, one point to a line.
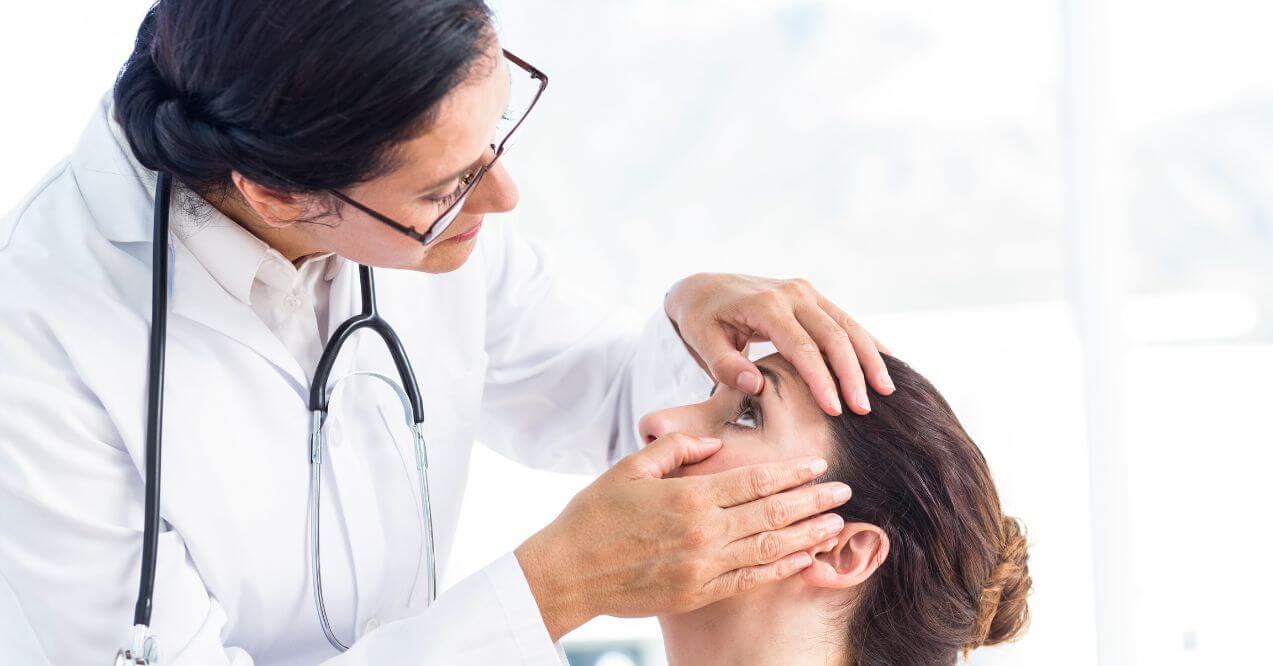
161 131
1003 613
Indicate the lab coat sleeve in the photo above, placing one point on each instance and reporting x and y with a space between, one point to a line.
73 493
568 378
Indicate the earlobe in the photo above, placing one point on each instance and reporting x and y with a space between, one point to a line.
856 553
274 208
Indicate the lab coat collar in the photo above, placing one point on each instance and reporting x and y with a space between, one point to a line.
118 190
120 193
230 253
235 257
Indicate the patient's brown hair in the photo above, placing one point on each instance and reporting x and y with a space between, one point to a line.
956 576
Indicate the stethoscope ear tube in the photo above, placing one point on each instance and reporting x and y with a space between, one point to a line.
155 397
144 649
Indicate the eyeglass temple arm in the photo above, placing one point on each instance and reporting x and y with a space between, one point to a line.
534 72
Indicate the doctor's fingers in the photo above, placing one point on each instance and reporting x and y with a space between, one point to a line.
667 453
868 346
803 349
778 511
771 546
741 485
740 580
850 351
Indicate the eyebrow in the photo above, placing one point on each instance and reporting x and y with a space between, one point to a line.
773 377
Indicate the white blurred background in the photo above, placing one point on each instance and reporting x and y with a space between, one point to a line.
1060 211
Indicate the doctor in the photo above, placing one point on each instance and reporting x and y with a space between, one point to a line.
304 138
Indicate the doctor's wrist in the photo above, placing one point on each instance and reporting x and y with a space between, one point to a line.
563 606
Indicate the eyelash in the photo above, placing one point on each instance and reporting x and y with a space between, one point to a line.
745 406
446 201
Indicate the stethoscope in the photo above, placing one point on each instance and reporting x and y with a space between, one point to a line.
144 648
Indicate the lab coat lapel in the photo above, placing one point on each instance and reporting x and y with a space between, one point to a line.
196 295
120 193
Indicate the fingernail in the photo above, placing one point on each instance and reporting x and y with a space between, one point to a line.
817 466
829 525
749 381
833 399
841 493
863 402
709 440
801 560
886 380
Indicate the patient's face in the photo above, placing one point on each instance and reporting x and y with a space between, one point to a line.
781 422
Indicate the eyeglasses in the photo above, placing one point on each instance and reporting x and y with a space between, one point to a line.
526 86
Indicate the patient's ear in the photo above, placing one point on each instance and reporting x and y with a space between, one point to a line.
856 553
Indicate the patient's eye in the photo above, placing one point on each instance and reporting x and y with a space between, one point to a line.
747 416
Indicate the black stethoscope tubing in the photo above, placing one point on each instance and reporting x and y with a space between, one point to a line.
369 318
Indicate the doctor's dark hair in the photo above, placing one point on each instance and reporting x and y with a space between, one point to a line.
956 575
296 95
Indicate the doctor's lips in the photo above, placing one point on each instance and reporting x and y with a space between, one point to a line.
468 234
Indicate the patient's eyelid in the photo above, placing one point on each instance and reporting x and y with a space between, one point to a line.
748 410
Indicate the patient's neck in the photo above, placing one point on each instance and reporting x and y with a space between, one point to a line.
786 623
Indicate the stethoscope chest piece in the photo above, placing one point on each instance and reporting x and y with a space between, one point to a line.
144 650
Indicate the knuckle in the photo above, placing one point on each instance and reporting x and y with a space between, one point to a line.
777 513
770 547
747 579
683 576
806 346
839 335
772 300
763 482
825 497
689 501
797 287
697 536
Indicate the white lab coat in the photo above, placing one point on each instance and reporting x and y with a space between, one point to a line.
502 350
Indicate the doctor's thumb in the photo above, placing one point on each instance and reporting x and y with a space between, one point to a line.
670 452
733 368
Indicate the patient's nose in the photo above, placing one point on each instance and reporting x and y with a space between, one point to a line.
688 419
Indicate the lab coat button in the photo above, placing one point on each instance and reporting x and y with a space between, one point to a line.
370 626
292 301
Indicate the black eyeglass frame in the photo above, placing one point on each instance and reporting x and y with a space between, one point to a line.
428 237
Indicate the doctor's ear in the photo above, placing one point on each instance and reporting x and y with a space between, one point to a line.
855 554
275 208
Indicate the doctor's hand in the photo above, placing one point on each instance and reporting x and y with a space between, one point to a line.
636 543
716 316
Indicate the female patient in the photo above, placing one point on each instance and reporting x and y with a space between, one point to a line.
924 565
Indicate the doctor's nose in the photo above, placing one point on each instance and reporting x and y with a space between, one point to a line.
678 419
495 193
